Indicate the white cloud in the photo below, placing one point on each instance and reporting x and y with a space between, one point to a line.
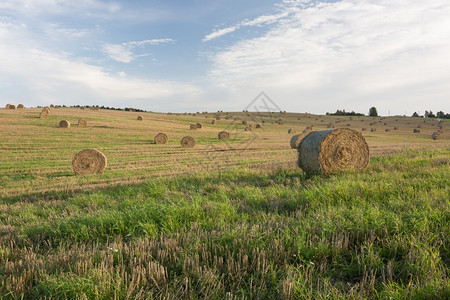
124 52
347 54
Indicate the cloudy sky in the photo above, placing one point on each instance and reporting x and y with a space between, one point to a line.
192 55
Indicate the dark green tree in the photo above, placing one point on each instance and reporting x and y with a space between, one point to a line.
373 112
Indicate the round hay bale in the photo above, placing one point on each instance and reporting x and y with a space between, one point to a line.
193 126
199 125
244 122
82 122
258 125
280 123
419 126
140 118
7 106
363 129
332 151
12 106
435 135
296 139
348 125
396 128
291 131
387 130
161 138
89 161
51 105
223 135
416 130
20 106
187 142
373 129
64 124
46 110
43 115
82 107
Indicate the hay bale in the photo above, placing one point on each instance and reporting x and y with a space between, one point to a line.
416 130
263 121
7 106
199 125
82 122
161 138
244 122
258 126
187 142
419 126
332 151
280 123
435 135
82 107
395 128
51 105
291 131
223 135
20 106
64 124
140 118
363 129
373 129
46 110
296 139
193 127
89 161
12 106
43 115
387 130
213 122
248 128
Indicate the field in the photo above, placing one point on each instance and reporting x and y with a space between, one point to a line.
223 220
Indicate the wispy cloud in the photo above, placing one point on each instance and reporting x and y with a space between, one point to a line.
124 52
350 52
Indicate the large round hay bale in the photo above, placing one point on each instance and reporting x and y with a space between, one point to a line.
89 161
64 124
7 106
43 115
223 135
161 138
258 126
199 125
187 142
12 106
82 122
193 127
291 131
140 118
332 151
296 139
244 122
416 130
20 106
46 110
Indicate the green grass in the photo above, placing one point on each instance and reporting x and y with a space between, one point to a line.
382 233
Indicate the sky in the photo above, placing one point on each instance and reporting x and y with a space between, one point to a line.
208 55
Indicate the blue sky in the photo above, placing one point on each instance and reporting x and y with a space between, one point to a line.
308 56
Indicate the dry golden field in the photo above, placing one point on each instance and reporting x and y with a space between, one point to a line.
36 155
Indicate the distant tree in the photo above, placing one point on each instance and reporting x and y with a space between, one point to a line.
429 114
373 112
415 114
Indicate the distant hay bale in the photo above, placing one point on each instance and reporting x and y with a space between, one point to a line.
387 130
416 130
82 107
199 125
296 139
280 122
82 122
169 114
57 106
161 138
193 127
140 118
291 131
435 135
89 161
7 106
363 129
373 129
43 115
12 106
223 135
20 106
64 124
51 105
332 151
244 122
258 125
263 121
349 125
46 110
187 142
248 128
396 128
419 126
213 122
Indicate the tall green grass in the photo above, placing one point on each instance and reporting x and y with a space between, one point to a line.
382 233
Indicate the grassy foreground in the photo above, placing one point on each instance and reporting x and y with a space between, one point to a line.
382 233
